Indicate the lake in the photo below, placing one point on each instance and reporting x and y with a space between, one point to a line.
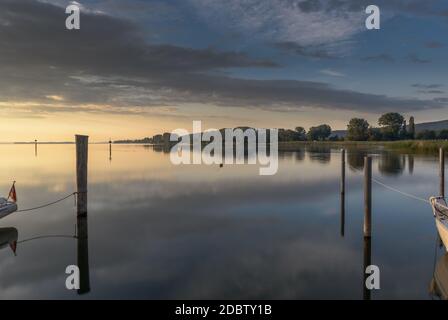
160 231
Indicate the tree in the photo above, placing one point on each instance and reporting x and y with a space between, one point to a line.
374 134
287 135
321 132
357 130
411 129
301 133
391 125
443 134
426 135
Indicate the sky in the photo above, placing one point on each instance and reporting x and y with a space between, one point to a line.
140 67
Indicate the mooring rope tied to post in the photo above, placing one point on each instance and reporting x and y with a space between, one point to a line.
50 203
399 191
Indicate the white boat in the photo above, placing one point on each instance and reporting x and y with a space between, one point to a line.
7 207
440 210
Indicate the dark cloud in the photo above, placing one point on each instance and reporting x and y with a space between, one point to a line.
431 91
310 5
427 86
383 57
108 61
304 51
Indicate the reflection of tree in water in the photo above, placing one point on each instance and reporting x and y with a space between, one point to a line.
299 155
411 163
355 159
320 154
391 164
165 148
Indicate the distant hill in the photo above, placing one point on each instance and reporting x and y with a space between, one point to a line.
434 125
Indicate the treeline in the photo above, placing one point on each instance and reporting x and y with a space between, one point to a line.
318 133
392 126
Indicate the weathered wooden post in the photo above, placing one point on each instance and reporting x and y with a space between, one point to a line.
367 262
342 192
82 146
343 171
83 255
342 215
35 147
442 171
110 149
367 197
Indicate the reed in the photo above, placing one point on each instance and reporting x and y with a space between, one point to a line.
418 146
412 146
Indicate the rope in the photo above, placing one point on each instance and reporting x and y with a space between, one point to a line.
48 204
47 236
401 192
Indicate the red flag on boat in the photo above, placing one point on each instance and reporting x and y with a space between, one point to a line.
12 193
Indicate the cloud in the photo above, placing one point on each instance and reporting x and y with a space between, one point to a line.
305 51
55 97
415 59
109 63
382 57
427 86
431 91
302 22
332 73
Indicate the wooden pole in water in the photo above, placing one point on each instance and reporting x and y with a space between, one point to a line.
367 197
82 145
110 149
35 147
367 262
343 171
342 192
442 171
83 255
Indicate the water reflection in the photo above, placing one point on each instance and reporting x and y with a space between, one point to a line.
367 253
391 164
8 238
203 232
320 154
83 254
355 160
342 213
439 283
411 163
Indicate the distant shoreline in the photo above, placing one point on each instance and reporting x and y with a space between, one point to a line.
423 146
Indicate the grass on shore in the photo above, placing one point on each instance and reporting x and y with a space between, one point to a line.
423 146
417 146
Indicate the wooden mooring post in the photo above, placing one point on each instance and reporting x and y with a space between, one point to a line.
367 197
83 255
342 171
35 147
82 146
110 149
442 172
367 262
342 192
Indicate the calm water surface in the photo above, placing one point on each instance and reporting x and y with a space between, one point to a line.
157 231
